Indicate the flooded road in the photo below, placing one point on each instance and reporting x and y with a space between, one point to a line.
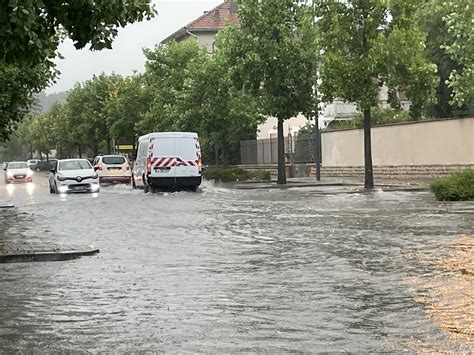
230 270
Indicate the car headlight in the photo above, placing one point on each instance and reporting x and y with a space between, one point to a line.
61 178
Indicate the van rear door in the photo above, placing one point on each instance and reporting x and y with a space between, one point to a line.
162 156
188 156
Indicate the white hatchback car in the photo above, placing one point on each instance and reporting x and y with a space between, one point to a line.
73 175
113 168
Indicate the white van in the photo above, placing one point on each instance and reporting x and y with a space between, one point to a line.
167 160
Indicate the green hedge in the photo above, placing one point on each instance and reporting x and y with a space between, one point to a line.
229 174
456 187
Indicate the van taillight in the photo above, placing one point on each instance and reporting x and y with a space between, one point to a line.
148 165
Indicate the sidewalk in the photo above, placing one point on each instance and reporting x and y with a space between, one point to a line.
20 248
351 184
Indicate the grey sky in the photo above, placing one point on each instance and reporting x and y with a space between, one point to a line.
126 54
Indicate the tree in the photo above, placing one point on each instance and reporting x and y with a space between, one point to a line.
169 73
273 60
225 114
86 111
192 91
459 21
369 43
31 32
431 19
128 102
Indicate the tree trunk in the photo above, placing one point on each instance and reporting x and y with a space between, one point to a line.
79 151
369 176
281 154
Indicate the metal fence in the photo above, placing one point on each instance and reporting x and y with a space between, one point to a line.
265 151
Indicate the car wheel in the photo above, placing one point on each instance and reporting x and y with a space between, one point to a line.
56 188
134 186
51 191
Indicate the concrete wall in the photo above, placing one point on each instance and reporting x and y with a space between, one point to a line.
206 40
439 142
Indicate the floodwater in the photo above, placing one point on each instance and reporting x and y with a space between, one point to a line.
226 270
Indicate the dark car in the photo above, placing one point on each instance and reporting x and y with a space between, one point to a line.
45 165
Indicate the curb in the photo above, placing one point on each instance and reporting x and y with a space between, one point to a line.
386 188
45 256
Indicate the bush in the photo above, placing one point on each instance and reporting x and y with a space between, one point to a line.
379 116
229 174
456 187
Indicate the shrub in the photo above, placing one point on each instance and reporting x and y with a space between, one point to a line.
456 187
229 174
379 116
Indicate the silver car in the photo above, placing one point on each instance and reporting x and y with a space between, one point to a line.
17 171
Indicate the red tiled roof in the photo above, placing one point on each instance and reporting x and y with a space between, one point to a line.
216 19
213 20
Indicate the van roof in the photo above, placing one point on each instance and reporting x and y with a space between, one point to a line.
169 135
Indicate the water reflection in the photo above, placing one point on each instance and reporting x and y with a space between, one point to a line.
30 188
449 296
10 189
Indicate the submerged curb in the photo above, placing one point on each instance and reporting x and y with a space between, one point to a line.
355 187
45 256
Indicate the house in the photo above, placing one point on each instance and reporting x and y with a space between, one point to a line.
204 28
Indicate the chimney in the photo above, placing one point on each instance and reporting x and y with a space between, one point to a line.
217 16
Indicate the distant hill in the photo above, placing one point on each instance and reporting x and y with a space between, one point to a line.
46 101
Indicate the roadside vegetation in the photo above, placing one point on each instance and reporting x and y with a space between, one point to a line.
456 187
268 66
379 116
231 174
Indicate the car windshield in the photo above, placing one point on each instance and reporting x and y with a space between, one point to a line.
17 166
113 160
74 165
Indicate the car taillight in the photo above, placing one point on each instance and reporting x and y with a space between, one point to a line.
148 165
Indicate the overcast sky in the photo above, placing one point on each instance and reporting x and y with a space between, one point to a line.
126 54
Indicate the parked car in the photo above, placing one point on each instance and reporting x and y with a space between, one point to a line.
112 168
168 160
45 165
17 171
32 163
73 175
